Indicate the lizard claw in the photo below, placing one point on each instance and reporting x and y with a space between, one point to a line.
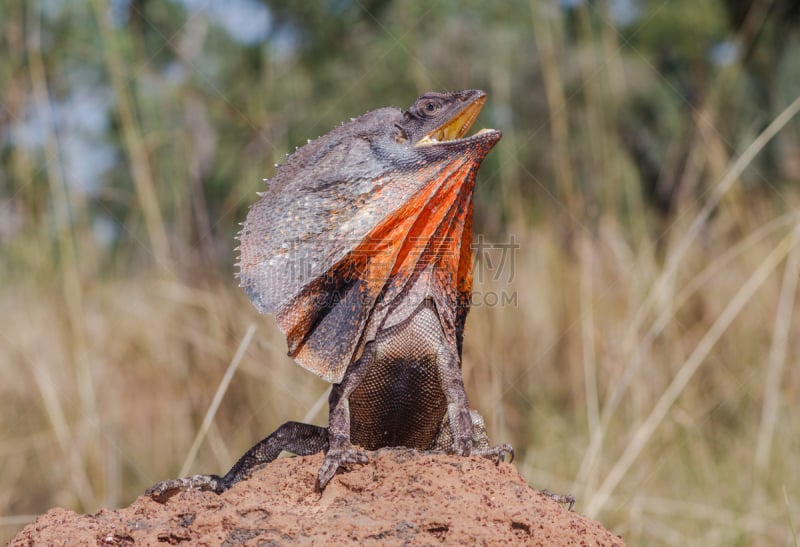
336 458
164 490
498 453
560 498
464 447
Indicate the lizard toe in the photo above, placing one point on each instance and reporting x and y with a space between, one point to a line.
498 453
335 459
566 499
164 490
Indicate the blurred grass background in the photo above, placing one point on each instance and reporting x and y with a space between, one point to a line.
646 357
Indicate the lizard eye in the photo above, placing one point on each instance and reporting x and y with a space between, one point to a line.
430 108
427 108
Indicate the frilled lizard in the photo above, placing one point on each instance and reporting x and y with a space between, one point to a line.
361 247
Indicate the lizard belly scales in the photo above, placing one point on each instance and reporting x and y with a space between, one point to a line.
404 377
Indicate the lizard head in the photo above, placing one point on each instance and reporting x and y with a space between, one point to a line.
437 118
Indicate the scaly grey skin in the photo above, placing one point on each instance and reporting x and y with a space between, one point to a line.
361 247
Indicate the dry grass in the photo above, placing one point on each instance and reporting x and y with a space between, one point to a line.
683 400
156 351
697 448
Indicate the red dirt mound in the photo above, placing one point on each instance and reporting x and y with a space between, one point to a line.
400 497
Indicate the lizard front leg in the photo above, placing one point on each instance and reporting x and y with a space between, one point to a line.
341 450
295 437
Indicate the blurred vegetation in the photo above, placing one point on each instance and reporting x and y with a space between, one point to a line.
649 171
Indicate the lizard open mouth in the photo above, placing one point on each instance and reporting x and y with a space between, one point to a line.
457 126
